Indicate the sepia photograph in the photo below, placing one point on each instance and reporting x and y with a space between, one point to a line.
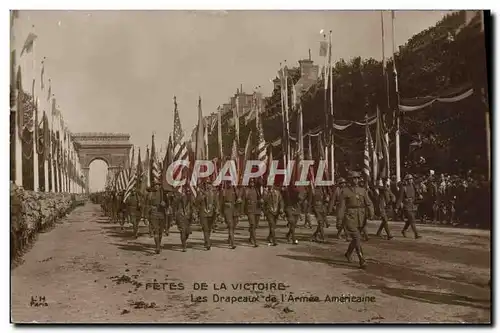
250 166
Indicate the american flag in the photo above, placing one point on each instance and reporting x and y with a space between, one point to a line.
180 149
261 146
367 158
132 177
154 169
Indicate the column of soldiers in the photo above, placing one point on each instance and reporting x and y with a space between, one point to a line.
351 201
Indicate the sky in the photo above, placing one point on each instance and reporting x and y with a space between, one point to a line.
118 71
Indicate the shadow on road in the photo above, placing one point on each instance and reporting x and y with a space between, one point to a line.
434 297
452 254
331 262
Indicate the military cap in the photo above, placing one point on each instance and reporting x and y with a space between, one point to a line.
354 174
341 181
408 177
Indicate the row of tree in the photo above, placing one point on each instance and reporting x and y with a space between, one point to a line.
434 61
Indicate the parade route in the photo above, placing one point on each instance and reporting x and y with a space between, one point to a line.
88 270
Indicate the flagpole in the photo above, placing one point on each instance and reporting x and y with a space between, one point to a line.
386 79
45 130
52 145
285 72
18 174
283 116
332 147
397 112
36 176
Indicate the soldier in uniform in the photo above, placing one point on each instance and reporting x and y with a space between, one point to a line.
406 198
319 198
229 201
306 204
169 211
156 214
253 202
134 211
207 211
385 199
114 207
292 211
273 207
334 203
183 207
122 209
354 203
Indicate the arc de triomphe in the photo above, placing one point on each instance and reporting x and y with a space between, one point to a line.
112 148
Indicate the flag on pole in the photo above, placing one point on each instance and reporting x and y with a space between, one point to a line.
180 149
42 72
168 159
49 93
381 147
155 170
236 116
236 158
366 156
200 152
29 43
219 133
247 155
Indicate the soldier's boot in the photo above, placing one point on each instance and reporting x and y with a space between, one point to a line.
230 237
415 231
135 226
272 238
350 249
206 236
253 237
362 260
166 231
339 233
322 234
314 237
403 232
183 239
292 234
157 243
365 234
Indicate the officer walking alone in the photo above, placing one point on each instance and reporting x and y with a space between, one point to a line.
354 203
406 198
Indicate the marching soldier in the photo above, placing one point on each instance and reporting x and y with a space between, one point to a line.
354 203
169 211
114 207
134 211
385 199
156 214
407 200
146 212
273 207
229 207
183 206
253 202
207 211
122 209
319 197
334 203
292 211
306 204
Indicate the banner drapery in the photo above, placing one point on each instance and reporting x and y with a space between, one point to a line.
421 103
